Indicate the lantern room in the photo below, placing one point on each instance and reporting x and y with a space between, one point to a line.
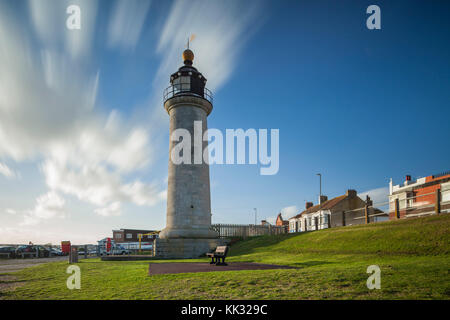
187 81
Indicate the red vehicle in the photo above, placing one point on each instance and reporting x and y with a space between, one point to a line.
65 247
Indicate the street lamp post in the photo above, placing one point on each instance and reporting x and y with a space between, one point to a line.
320 188
255 215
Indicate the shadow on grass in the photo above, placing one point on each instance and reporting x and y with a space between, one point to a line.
254 244
309 264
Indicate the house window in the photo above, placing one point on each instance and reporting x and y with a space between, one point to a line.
409 203
129 236
118 236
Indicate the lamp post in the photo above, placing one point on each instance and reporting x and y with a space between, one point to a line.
320 188
255 215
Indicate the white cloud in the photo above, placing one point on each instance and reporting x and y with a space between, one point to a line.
6 171
24 234
112 210
11 211
98 185
220 35
49 205
126 23
289 212
286 213
47 111
49 21
378 195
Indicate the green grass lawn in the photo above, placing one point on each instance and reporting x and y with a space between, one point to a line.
413 256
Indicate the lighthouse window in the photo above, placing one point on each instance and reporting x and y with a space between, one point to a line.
185 83
177 85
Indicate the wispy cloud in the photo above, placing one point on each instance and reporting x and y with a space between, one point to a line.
378 195
49 21
286 213
49 205
11 211
7 172
126 23
85 152
221 29
49 113
112 210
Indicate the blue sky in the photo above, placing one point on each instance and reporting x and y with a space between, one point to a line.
84 137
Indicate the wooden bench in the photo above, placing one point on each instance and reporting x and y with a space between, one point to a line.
220 253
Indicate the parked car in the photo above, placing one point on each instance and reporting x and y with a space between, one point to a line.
115 251
121 250
42 251
25 248
8 249
56 252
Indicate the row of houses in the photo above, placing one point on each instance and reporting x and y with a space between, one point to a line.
420 197
413 198
344 210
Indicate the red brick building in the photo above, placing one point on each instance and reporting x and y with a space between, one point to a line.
418 197
131 235
281 222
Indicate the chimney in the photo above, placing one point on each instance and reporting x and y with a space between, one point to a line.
309 205
407 180
322 199
351 193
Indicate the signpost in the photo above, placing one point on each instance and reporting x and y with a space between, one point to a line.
73 254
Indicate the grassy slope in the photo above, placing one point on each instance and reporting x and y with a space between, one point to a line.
413 256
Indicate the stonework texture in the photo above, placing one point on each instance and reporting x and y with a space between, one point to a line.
187 233
185 248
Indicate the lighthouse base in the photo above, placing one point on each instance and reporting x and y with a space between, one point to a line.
185 248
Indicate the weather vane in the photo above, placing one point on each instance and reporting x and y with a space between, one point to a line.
190 39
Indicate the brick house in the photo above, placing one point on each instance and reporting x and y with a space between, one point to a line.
281 222
132 235
344 210
421 196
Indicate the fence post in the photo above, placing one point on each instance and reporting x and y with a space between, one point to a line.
366 212
437 205
397 209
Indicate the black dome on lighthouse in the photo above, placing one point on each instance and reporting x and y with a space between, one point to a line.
187 80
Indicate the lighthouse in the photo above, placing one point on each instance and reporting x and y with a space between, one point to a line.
188 231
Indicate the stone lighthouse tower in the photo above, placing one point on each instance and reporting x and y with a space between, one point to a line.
187 234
